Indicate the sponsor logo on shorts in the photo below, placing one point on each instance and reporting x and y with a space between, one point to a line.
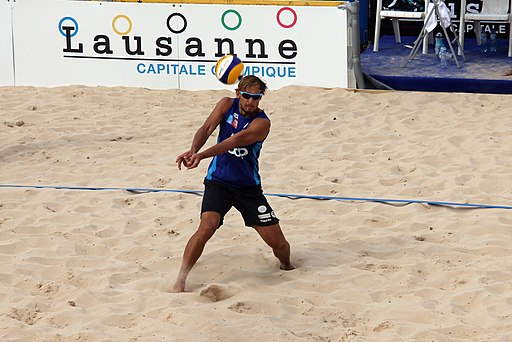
267 217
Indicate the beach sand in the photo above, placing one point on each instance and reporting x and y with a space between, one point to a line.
98 265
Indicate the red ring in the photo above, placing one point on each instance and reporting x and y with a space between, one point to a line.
294 17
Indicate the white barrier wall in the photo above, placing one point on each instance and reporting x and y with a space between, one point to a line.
161 45
6 59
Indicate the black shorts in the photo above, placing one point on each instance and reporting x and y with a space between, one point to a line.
249 201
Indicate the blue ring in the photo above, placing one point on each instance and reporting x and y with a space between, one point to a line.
74 22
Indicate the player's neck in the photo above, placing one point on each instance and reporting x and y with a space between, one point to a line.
247 114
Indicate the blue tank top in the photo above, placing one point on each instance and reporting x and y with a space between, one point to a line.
239 166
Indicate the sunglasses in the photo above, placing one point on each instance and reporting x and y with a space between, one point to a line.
248 96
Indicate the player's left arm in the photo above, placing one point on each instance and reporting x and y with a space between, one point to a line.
256 131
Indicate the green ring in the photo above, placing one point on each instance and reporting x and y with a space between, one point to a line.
239 20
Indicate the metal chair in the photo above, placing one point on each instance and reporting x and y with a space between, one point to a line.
492 11
395 17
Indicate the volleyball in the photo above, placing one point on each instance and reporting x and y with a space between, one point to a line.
229 69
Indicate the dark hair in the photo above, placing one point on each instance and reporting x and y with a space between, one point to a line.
249 81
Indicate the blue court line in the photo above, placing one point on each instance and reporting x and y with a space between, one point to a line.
290 196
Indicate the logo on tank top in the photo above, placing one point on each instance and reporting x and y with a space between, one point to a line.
239 152
233 120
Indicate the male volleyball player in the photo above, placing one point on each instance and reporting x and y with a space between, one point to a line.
233 178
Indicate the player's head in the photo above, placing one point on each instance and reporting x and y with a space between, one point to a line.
250 81
250 91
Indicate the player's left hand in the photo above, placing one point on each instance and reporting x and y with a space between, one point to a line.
193 161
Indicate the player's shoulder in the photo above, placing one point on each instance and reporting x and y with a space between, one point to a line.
224 104
226 101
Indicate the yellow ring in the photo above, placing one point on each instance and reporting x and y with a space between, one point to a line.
114 24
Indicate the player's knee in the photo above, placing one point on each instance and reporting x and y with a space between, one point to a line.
207 228
210 220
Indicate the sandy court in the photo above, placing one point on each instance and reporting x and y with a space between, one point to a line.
97 265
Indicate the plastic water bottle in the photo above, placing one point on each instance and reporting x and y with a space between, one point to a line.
493 46
483 42
439 43
443 56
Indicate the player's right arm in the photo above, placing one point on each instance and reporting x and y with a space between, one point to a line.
206 129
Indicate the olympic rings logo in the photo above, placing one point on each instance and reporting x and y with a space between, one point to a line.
231 20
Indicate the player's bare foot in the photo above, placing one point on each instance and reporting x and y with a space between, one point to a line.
178 287
286 267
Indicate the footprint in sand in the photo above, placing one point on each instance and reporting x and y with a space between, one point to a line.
256 308
241 307
27 315
383 326
215 293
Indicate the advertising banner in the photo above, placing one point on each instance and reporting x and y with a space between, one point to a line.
6 59
162 45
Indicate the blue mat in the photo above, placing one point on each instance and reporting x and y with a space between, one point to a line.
480 73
